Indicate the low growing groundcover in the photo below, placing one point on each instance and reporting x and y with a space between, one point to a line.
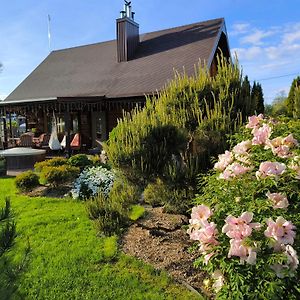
57 255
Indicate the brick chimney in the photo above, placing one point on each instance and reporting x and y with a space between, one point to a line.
127 34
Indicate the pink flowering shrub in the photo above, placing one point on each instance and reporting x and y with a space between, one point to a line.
246 221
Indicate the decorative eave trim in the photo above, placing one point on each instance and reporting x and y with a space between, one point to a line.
12 102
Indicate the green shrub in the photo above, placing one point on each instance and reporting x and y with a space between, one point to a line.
53 162
136 212
174 199
111 213
59 175
109 216
7 227
27 181
110 248
188 121
80 160
157 193
247 219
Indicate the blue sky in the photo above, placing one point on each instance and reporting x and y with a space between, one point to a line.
264 34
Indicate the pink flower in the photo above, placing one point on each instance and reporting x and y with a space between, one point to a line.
242 147
199 217
224 160
269 168
261 135
290 141
279 200
276 142
282 231
207 234
239 248
239 228
282 151
219 280
291 264
254 121
295 166
207 257
293 260
234 170
201 213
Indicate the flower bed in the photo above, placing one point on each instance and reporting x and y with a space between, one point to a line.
248 215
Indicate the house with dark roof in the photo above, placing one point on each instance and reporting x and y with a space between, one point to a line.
88 87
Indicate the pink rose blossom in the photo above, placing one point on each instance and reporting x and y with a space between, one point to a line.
282 231
241 249
242 147
279 200
269 168
239 228
254 121
261 135
224 160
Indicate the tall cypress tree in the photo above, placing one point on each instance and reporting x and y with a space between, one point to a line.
291 96
248 108
257 98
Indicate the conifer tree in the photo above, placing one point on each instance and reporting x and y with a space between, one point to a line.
257 98
291 96
248 107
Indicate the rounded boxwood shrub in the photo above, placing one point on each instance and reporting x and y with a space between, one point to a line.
53 162
247 216
59 175
80 160
27 181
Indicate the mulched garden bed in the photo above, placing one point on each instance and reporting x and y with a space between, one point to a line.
160 240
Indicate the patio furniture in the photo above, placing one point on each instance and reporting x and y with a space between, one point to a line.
76 142
26 140
43 141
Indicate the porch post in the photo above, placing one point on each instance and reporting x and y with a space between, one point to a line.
10 127
67 131
5 142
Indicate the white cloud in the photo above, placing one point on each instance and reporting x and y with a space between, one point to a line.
256 37
269 55
240 28
247 54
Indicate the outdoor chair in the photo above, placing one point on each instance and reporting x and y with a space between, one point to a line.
76 142
26 140
43 141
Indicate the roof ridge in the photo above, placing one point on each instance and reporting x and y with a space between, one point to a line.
141 34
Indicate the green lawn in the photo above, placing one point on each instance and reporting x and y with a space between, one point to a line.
57 255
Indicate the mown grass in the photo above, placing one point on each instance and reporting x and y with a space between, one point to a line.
57 255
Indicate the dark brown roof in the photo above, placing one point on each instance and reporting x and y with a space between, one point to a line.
93 70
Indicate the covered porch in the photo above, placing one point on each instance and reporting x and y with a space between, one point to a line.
81 123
